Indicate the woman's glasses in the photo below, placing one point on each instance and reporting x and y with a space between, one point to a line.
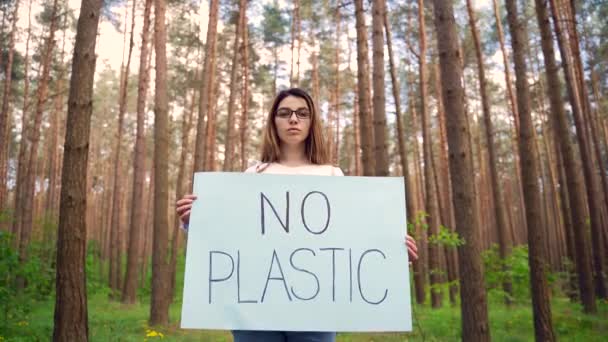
285 113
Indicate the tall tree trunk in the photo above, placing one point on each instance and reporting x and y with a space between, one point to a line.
206 86
21 167
230 126
380 142
52 199
575 183
181 188
295 22
472 291
431 196
365 122
543 325
446 190
34 137
159 308
4 117
503 236
513 106
129 290
337 98
314 77
409 198
597 181
117 231
245 95
71 322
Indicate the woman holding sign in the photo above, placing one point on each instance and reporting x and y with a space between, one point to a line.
293 144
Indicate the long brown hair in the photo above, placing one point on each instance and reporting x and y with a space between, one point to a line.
316 149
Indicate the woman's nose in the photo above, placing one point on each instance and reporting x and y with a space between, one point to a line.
293 118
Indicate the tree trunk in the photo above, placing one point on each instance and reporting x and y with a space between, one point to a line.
503 237
117 231
541 305
472 291
597 181
446 190
52 199
34 138
575 183
206 85
365 122
337 98
409 198
181 188
159 308
432 210
129 291
71 322
513 106
230 126
380 142
21 167
295 22
245 96
4 117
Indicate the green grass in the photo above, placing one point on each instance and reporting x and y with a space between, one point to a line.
112 321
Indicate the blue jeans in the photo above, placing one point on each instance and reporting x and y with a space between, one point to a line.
282 336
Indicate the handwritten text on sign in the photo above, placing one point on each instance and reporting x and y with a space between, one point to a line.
305 253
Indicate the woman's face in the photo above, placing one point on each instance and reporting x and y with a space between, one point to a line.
293 120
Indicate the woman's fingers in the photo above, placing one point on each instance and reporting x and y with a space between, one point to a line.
187 199
185 216
411 247
180 210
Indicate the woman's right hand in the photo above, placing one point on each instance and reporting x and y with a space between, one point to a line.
183 208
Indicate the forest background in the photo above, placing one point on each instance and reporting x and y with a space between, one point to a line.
494 112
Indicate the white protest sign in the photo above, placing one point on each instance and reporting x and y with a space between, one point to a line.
297 253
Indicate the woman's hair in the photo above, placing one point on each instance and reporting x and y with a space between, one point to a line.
315 147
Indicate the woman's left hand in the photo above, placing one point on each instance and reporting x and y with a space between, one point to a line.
412 249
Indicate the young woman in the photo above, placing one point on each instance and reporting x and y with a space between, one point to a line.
293 144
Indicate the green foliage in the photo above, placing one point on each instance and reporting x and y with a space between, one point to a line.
22 284
446 238
513 268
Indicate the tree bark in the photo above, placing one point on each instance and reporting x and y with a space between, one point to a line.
365 122
472 291
575 183
380 142
116 227
503 236
21 167
245 96
181 187
129 291
33 136
541 305
206 85
159 308
337 98
432 210
4 117
230 126
71 322
55 156
596 183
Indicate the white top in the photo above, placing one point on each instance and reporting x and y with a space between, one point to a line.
311 170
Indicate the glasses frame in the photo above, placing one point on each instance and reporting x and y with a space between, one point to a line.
292 112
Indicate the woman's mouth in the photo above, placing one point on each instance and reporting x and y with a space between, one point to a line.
293 130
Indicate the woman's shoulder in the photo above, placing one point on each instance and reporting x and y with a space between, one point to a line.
256 167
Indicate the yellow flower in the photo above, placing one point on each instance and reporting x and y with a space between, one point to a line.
152 333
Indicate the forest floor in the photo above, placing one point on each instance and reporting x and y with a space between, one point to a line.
112 321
